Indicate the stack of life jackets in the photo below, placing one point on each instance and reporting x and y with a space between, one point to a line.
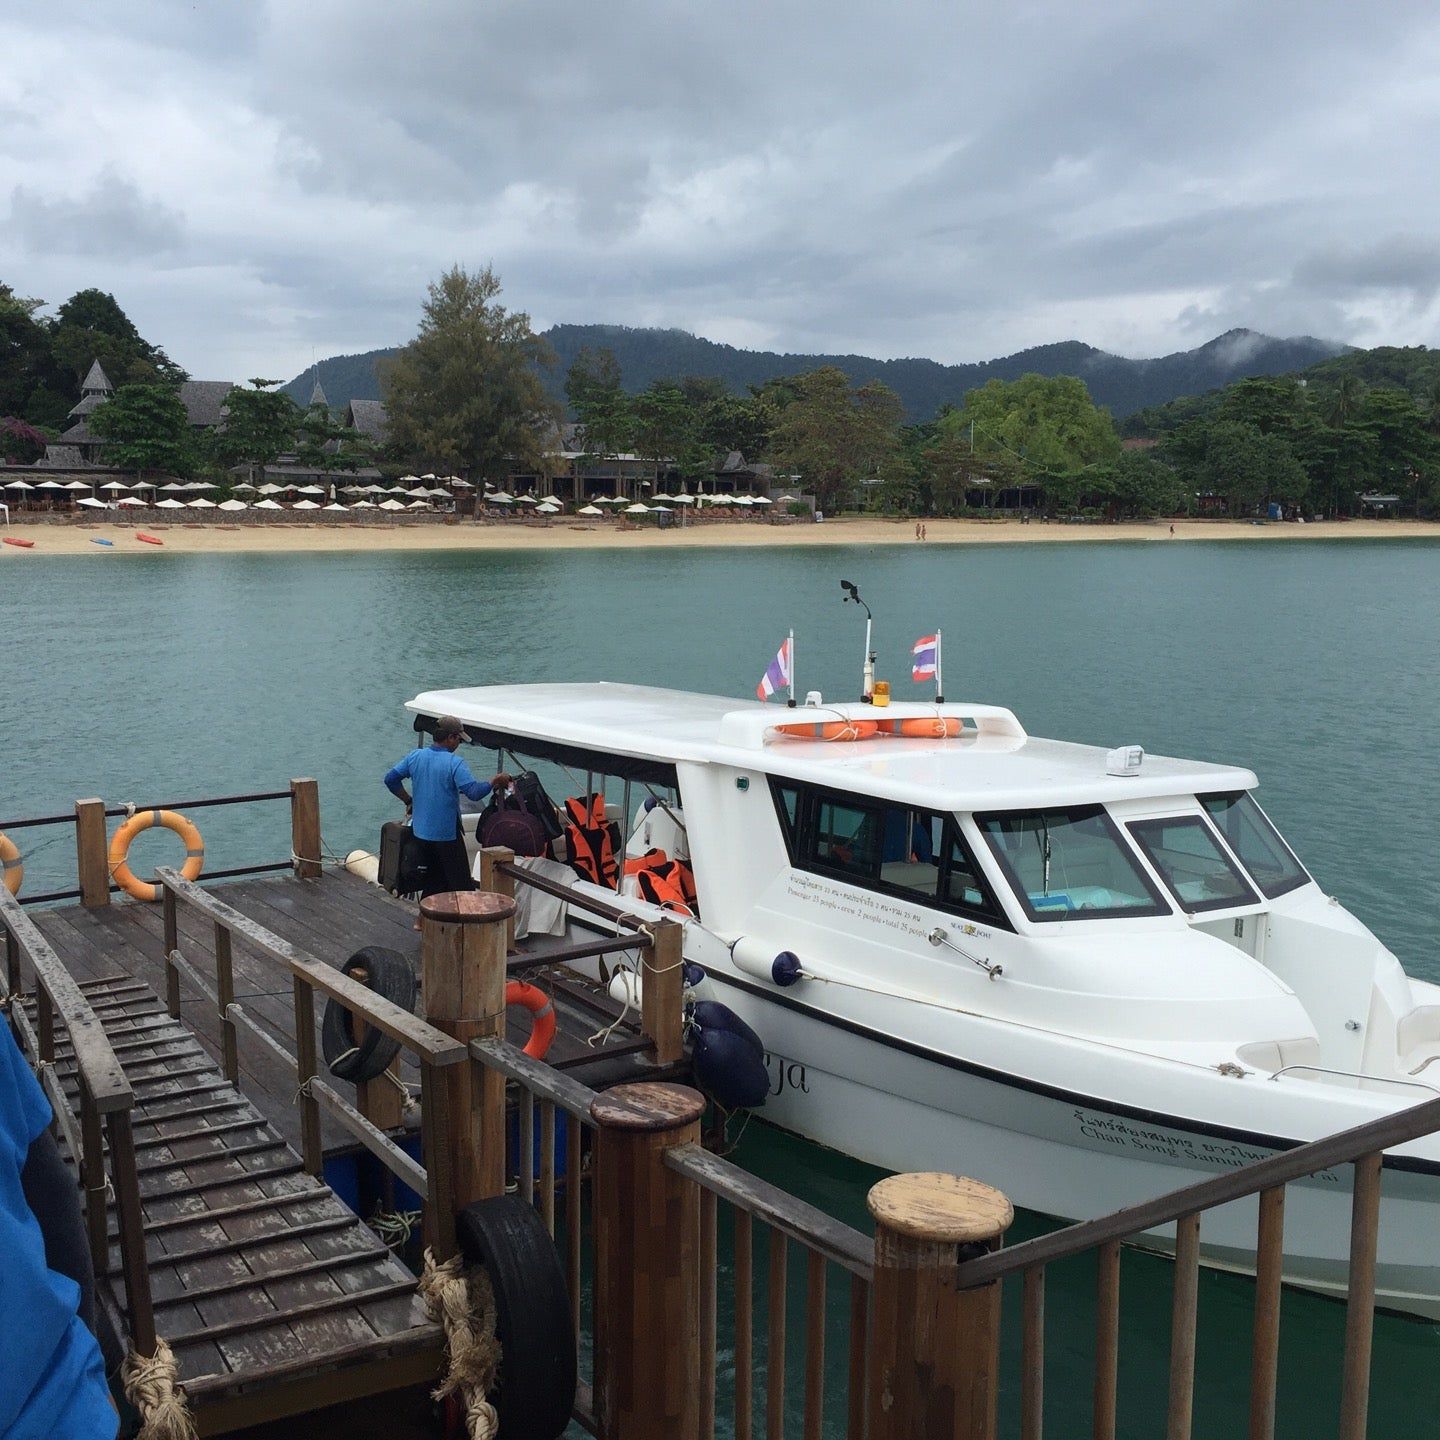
592 840
663 881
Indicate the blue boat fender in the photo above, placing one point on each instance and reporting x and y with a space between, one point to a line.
96 541
729 1057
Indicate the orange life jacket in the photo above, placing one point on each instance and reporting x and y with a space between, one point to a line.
592 840
670 885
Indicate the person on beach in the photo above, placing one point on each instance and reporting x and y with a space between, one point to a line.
439 777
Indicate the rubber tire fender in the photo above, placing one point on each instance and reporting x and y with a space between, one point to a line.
390 975
536 1385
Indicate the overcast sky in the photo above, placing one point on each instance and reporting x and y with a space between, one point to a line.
263 183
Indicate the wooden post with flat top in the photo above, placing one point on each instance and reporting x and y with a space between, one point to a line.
935 1349
647 1264
92 854
462 964
491 879
662 1005
305 828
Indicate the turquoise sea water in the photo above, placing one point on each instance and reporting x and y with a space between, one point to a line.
157 678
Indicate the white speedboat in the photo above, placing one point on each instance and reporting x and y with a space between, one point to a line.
1086 976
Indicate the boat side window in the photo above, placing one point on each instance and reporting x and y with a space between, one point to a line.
1070 865
917 855
1193 866
1256 842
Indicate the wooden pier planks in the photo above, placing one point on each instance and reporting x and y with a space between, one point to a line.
262 1279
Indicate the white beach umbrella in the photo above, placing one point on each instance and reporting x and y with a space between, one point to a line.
144 504
418 505
92 503
374 489
245 486
526 499
743 500
500 498
662 510
342 508
77 485
25 485
409 479
439 492
460 484
49 485
304 505
268 489
589 510
113 485
202 504
761 500
429 475
547 509
310 490
788 499
363 505
391 505
201 485
233 505
638 508
352 489
418 493
682 499
268 504
168 503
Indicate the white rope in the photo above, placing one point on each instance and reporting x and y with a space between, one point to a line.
151 1387
465 1304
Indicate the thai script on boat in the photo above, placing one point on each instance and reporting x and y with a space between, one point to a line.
1196 1149
865 905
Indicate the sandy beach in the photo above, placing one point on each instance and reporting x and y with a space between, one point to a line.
569 534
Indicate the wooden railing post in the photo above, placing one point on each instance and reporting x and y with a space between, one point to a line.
935 1349
92 855
662 1019
497 882
647 1264
172 943
462 959
305 828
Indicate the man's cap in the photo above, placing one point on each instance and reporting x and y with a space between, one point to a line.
448 725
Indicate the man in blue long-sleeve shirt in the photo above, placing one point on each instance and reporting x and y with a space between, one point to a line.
439 777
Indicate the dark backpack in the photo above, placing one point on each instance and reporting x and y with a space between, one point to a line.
531 794
505 821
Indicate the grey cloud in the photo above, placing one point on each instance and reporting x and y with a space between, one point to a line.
113 219
1408 264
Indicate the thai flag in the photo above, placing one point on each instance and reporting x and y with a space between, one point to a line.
777 673
924 651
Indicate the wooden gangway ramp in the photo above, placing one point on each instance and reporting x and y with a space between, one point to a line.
272 1294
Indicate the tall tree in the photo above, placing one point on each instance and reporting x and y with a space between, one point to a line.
600 406
146 429
91 326
667 431
834 437
260 425
466 393
324 444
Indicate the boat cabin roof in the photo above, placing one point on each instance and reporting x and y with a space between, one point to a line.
991 765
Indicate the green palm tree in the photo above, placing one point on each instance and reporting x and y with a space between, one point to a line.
1344 401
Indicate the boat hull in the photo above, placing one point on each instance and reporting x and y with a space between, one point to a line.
1071 1156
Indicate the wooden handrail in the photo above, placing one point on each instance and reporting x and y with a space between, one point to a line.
613 913
430 1044
535 1075
801 1222
1342 1148
101 1072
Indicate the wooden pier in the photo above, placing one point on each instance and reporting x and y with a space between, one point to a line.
179 1041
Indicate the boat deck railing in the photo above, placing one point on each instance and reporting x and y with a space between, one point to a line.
1362 1147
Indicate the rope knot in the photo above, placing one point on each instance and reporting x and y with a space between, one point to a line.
151 1386
464 1303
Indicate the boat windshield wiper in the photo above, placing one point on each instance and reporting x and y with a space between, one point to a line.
1045 855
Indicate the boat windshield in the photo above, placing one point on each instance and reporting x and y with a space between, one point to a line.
1070 865
1256 842
1199 874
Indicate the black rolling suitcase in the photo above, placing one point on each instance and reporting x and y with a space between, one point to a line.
400 872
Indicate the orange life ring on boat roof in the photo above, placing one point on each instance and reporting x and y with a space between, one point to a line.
830 730
11 865
925 727
144 820
537 1002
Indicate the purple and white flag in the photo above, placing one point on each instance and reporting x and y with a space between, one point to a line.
778 673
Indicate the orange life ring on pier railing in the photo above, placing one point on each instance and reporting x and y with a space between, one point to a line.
829 730
12 867
927 727
143 820
537 1002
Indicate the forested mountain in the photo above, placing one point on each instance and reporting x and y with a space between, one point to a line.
923 385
